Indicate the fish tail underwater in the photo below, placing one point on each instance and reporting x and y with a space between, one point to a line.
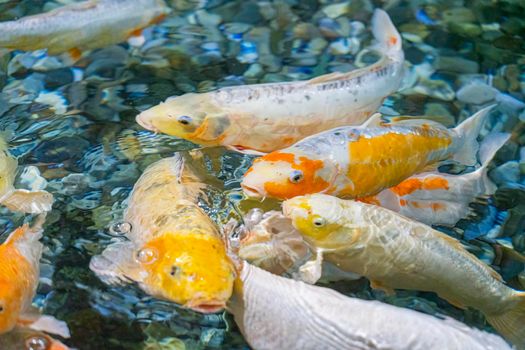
228 174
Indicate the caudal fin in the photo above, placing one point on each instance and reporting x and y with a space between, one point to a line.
467 135
511 324
386 34
487 150
33 202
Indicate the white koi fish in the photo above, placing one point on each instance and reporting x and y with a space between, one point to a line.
82 26
279 313
394 252
268 117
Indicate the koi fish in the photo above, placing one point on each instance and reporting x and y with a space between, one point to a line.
33 202
19 272
268 117
269 241
82 26
29 339
394 252
175 251
274 312
441 199
354 162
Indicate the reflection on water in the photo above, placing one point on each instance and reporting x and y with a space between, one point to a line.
74 133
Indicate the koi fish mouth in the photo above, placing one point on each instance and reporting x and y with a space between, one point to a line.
207 307
145 123
251 191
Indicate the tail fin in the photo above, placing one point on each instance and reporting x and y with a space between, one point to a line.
34 202
487 150
386 34
511 324
467 134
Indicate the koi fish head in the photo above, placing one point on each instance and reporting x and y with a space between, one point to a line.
29 339
286 175
10 305
192 270
183 116
318 217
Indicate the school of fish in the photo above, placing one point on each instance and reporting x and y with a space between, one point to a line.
358 195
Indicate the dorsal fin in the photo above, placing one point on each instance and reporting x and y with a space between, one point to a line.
327 77
375 120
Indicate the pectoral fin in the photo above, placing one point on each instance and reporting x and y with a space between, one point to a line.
311 271
34 202
31 318
117 264
243 150
381 286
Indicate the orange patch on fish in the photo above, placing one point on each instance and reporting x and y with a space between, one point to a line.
410 185
437 206
75 53
392 40
310 183
370 200
385 160
136 32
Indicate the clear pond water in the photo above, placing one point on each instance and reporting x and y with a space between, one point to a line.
73 130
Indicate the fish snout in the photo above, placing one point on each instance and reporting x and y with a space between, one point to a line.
251 190
206 306
144 119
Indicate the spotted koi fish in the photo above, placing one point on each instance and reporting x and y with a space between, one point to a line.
355 162
82 26
441 199
268 117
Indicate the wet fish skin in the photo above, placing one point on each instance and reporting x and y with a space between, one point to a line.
82 26
436 198
394 252
267 117
354 162
279 313
20 338
175 252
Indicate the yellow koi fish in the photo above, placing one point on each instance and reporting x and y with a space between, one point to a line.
441 199
82 26
394 252
29 339
33 202
175 251
268 117
19 272
274 312
354 162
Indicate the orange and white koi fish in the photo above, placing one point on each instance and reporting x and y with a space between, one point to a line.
268 117
354 162
175 251
19 272
394 252
19 199
82 26
29 339
441 199
274 312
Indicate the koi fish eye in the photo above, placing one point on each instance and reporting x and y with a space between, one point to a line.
319 222
37 343
296 176
175 271
146 256
184 120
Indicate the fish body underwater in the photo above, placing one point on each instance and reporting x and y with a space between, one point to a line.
82 26
19 273
175 252
354 162
268 117
436 198
394 252
33 202
279 313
